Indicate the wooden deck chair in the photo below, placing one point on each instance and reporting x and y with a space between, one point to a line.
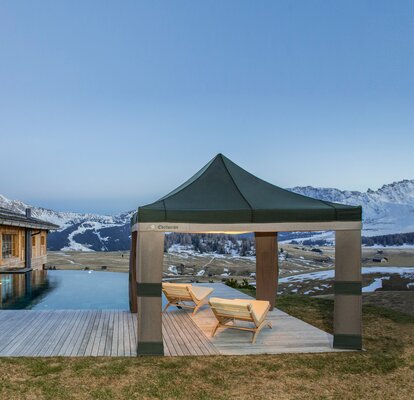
181 294
254 311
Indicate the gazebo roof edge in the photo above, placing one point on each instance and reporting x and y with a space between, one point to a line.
223 192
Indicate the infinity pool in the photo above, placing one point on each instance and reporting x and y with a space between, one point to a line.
64 290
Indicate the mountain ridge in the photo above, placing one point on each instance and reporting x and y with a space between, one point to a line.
387 210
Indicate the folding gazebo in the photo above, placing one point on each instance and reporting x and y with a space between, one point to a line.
222 197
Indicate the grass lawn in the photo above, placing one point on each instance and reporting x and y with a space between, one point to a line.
384 371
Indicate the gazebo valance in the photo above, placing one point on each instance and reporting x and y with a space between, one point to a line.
222 192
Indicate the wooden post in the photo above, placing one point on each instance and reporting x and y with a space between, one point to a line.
267 268
347 289
133 273
149 262
28 248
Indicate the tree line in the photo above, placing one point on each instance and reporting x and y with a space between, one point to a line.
212 243
396 239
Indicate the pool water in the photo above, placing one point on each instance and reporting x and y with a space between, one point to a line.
64 290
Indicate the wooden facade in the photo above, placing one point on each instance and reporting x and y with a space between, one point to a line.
23 241
14 256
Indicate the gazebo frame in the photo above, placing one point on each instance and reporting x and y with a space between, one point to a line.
224 198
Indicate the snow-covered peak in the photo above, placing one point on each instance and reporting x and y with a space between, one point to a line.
389 209
401 192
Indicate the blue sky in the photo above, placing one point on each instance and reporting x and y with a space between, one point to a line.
108 105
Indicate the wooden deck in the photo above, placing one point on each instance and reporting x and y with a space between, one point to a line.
113 333
92 333
288 334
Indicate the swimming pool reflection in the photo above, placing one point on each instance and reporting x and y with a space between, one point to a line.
64 290
18 291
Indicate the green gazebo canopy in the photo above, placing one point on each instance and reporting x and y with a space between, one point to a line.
223 192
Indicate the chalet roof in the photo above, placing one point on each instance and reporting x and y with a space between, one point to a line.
12 218
223 192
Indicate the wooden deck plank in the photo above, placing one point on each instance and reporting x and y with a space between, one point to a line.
65 328
129 335
201 340
114 333
175 348
178 336
132 336
8 322
46 320
131 330
109 335
121 345
53 338
9 328
88 333
20 341
103 344
125 340
45 341
73 335
103 336
18 325
86 315
115 336
186 329
94 338
166 342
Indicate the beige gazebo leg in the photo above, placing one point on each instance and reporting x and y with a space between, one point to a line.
132 273
150 252
267 268
347 288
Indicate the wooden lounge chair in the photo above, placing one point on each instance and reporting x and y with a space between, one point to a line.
254 311
180 294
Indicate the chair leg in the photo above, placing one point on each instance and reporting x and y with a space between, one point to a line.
257 330
165 308
255 335
196 308
215 329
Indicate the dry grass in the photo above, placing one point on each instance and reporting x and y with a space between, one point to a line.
384 371
300 259
402 301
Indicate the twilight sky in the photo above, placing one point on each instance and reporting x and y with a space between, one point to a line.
108 105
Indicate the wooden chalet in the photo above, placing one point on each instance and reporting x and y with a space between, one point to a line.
23 241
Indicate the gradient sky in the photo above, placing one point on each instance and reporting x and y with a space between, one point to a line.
105 105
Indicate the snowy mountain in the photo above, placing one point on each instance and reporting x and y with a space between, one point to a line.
389 209
82 232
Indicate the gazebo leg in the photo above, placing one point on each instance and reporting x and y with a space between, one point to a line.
267 268
133 273
150 253
347 288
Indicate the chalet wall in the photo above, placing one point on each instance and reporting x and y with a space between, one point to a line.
39 248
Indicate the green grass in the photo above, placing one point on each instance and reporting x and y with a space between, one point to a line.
384 371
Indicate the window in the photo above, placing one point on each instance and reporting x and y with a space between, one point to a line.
42 240
33 240
7 246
